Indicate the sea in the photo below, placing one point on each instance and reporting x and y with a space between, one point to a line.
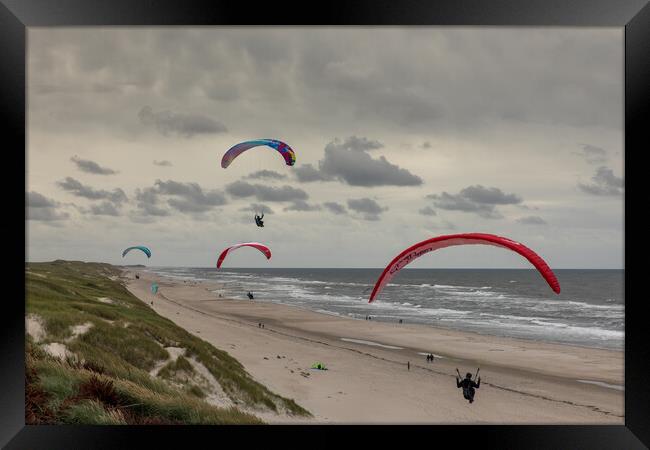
589 311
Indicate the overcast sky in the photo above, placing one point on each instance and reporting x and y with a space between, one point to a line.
400 134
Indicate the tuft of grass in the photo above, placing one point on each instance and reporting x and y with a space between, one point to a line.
37 410
175 368
92 412
196 391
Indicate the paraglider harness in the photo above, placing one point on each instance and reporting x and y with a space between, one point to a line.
258 220
468 385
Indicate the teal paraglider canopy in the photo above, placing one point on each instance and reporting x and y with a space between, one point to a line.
142 248
154 288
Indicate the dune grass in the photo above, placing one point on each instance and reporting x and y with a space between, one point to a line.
116 354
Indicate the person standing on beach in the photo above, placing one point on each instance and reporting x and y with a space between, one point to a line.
408 365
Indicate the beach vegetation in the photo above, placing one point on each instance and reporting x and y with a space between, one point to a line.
108 374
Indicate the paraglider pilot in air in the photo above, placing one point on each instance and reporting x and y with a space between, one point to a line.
258 220
468 386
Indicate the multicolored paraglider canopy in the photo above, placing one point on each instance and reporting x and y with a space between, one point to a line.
419 249
142 248
282 147
261 247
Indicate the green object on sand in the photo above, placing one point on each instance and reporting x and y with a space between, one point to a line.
319 366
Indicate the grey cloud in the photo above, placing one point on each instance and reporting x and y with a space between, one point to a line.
419 79
191 197
307 173
187 205
285 193
427 211
104 209
76 188
35 200
366 206
147 202
301 205
186 125
604 183
532 220
241 189
163 163
258 208
335 208
475 199
266 174
91 167
407 87
358 168
358 144
45 214
490 196
593 154
41 208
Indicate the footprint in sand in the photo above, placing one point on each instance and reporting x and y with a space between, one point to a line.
266 357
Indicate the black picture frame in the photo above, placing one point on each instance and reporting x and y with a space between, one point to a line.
16 15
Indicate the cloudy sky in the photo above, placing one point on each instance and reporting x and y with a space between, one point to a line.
400 133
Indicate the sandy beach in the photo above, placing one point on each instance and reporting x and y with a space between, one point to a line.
367 381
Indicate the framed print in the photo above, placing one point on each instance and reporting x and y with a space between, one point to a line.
368 213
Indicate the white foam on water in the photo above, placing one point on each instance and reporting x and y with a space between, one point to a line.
376 344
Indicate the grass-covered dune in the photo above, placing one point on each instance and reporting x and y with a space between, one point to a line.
95 354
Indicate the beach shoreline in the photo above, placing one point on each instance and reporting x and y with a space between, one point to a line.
522 381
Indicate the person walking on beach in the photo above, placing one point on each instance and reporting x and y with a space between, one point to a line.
468 385
250 296
408 365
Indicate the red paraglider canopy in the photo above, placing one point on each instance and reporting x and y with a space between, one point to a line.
419 249
261 247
